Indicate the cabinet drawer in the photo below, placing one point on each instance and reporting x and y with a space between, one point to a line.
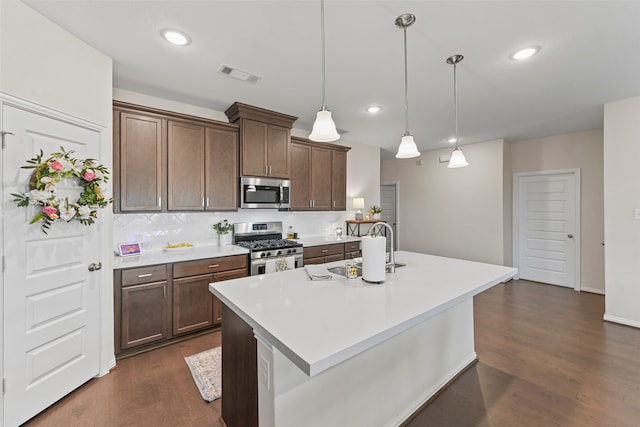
228 275
210 265
352 246
324 250
136 276
332 258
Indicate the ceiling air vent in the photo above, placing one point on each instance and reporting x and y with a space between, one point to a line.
239 74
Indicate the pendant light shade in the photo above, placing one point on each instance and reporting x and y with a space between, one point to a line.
457 159
324 129
407 148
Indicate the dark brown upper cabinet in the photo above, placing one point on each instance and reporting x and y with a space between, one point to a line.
318 175
265 140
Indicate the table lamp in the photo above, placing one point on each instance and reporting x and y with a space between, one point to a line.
358 203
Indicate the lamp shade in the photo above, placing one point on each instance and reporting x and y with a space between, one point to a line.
358 203
324 130
457 159
407 148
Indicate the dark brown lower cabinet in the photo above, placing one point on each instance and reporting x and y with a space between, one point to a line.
157 304
144 314
192 304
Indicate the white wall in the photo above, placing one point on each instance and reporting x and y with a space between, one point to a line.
581 150
621 198
452 212
46 65
363 178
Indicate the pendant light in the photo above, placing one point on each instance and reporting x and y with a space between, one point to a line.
407 148
457 159
324 130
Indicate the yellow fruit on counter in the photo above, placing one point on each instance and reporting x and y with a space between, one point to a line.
178 245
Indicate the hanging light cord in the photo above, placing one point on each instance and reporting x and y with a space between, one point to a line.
324 107
406 85
455 99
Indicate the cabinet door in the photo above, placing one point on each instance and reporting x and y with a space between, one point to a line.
221 170
339 181
300 176
278 146
321 178
218 277
253 148
186 167
145 317
139 178
192 304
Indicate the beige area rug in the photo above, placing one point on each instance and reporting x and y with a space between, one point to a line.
206 370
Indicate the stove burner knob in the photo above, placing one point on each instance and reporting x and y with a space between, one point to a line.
268 253
288 251
278 253
262 255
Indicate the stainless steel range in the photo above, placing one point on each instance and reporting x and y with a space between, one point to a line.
268 250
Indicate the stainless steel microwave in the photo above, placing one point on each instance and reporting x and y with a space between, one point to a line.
264 193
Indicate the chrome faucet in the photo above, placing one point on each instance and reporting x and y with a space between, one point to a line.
391 265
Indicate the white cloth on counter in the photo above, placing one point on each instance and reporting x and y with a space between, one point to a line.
318 272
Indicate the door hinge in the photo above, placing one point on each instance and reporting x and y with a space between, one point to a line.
2 134
4 382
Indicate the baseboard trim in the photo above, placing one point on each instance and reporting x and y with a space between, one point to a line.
621 320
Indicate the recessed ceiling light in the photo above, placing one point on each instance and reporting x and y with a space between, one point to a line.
452 140
525 53
373 109
175 37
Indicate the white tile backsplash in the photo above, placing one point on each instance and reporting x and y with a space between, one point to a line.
154 230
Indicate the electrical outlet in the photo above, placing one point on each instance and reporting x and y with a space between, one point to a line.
264 367
636 213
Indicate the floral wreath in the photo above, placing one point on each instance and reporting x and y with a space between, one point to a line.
42 185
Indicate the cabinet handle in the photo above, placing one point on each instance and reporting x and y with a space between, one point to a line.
140 276
207 205
266 170
159 201
202 203
334 203
325 250
214 266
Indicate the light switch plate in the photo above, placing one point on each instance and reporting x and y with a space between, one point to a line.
636 213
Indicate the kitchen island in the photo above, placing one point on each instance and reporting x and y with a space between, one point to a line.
343 352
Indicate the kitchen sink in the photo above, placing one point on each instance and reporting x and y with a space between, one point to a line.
340 269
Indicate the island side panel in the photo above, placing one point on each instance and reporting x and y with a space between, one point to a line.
239 372
382 386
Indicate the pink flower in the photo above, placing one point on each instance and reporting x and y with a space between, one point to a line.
89 176
56 165
50 211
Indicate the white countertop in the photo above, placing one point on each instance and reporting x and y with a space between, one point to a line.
160 256
319 324
326 240
207 250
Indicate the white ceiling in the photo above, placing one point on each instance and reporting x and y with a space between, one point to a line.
590 55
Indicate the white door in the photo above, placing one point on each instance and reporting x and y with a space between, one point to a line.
388 203
51 300
547 227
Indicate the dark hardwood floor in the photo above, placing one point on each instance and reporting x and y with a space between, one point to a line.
546 358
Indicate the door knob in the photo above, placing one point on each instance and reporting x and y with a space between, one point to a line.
570 236
95 267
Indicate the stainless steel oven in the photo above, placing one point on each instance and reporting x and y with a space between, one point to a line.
264 193
268 251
